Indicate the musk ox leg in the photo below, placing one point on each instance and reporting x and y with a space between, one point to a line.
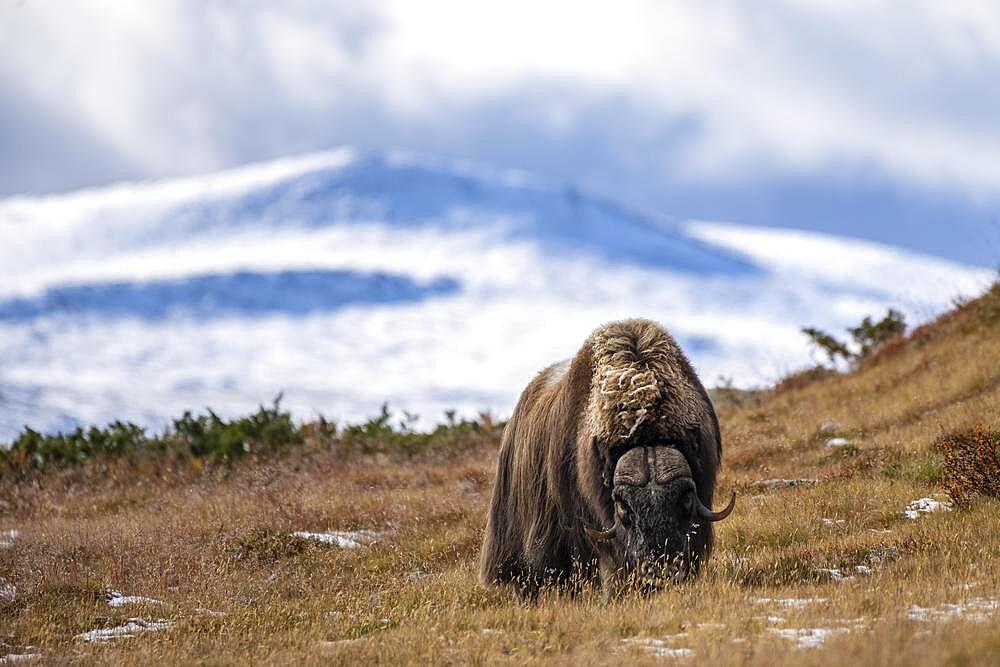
500 557
490 564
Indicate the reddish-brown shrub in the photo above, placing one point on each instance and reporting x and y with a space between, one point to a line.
971 464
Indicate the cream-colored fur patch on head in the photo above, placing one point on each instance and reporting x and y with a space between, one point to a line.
638 377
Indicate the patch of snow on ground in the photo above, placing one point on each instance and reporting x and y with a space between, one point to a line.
977 610
208 612
18 657
116 599
660 647
338 643
925 506
808 637
836 574
8 591
792 603
7 538
131 628
345 539
829 426
883 554
837 442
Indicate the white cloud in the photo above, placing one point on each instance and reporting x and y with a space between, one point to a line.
76 347
792 86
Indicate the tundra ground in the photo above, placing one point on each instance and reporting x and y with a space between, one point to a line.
201 565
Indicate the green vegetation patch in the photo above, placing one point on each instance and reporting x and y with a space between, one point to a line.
923 468
867 337
381 435
209 438
202 437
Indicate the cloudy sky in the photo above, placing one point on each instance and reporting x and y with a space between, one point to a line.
876 119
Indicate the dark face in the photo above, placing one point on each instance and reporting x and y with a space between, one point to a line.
661 530
658 524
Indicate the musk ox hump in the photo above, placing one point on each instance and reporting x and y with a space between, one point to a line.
640 376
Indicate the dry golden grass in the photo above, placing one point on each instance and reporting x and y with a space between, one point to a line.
215 546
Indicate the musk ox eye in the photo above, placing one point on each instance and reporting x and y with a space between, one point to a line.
624 512
687 503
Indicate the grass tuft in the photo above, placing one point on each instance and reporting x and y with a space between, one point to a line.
264 546
801 379
925 468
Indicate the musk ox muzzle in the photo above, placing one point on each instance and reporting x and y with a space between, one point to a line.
657 510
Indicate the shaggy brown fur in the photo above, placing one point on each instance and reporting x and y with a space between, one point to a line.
629 385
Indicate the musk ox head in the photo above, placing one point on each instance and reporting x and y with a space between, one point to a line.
657 513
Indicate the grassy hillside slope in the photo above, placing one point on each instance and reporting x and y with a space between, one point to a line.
823 572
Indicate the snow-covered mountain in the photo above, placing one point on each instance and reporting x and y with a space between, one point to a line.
346 280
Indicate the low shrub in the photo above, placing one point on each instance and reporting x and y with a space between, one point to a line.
827 343
264 546
971 464
382 435
209 438
867 337
32 450
203 437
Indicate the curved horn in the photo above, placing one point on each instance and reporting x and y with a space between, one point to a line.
603 535
708 514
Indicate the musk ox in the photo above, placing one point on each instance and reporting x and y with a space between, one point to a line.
621 435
